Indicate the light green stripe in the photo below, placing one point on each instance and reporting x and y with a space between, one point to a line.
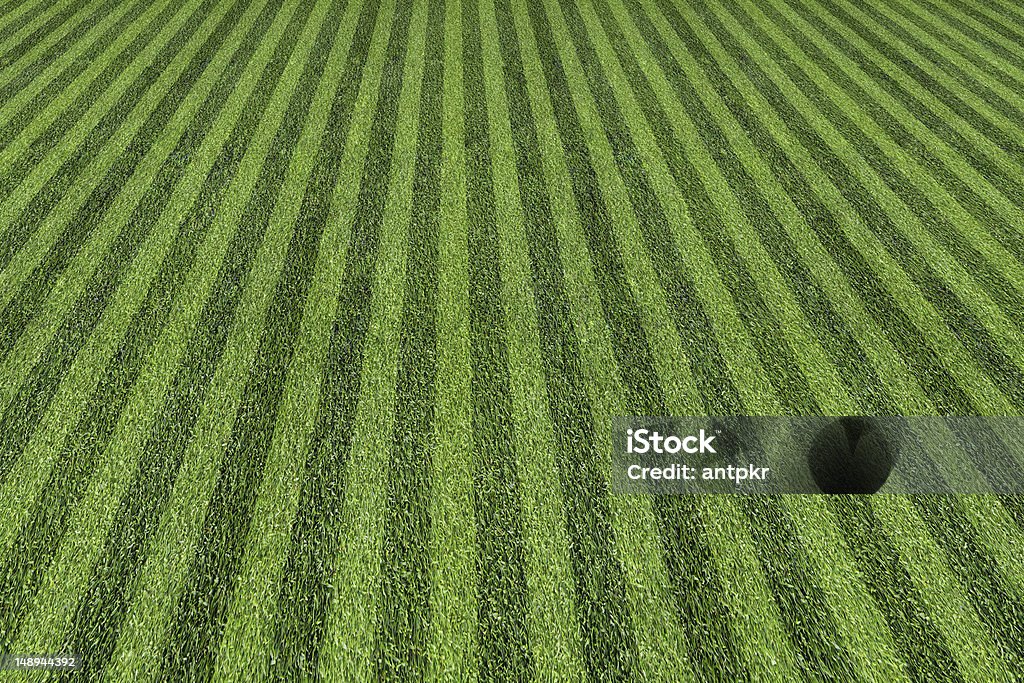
814 363
660 639
69 287
707 280
10 71
979 142
911 400
861 624
23 263
882 33
951 271
925 317
348 649
453 607
68 59
757 622
822 548
40 19
942 25
283 475
171 552
757 395
32 469
800 335
969 640
999 533
891 368
1010 94
20 8
1006 162
667 349
43 171
738 350
886 361
939 195
66 577
995 528
554 632
1005 9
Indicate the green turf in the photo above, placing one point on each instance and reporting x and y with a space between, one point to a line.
314 317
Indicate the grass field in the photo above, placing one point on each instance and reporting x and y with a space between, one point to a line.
315 316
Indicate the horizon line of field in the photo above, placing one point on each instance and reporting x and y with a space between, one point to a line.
660 309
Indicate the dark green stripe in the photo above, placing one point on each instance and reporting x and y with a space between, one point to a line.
1002 12
32 295
707 365
923 648
309 573
24 225
93 629
864 383
947 19
297 645
609 645
999 605
502 644
803 606
56 88
29 405
124 552
54 51
939 386
405 591
961 248
1012 187
26 19
201 613
963 323
24 569
46 141
1009 108
1014 505
1007 27
833 332
696 587
643 393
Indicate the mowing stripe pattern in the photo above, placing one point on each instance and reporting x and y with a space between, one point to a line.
313 316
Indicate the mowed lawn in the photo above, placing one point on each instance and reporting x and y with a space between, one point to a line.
315 316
